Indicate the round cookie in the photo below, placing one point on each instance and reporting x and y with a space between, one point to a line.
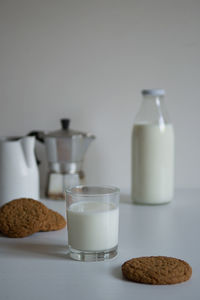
156 270
22 217
53 221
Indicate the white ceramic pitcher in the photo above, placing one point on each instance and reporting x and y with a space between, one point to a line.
19 176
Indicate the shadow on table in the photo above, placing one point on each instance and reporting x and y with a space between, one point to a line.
117 273
34 250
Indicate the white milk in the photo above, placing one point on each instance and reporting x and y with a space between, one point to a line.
152 163
92 225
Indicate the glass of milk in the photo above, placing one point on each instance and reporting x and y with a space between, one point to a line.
92 222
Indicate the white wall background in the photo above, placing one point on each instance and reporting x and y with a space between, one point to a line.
88 60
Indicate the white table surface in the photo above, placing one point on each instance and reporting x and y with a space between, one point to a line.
38 267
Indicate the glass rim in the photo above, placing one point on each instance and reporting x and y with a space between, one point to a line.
75 190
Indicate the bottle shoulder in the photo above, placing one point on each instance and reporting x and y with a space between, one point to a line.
153 126
152 111
152 130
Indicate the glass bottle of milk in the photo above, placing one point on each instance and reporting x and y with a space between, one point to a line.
152 151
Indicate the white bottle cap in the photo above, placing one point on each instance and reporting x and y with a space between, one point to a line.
154 92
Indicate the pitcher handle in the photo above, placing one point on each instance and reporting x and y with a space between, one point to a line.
39 135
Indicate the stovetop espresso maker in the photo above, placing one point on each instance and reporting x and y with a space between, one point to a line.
65 150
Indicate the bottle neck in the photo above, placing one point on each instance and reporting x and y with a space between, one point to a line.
152 111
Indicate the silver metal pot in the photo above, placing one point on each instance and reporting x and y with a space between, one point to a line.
65 148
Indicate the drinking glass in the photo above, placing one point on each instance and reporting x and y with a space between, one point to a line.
92 222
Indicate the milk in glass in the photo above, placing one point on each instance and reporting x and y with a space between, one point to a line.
93 226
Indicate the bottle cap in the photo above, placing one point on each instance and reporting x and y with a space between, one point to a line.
153 92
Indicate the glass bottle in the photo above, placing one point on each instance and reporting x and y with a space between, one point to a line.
152 151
